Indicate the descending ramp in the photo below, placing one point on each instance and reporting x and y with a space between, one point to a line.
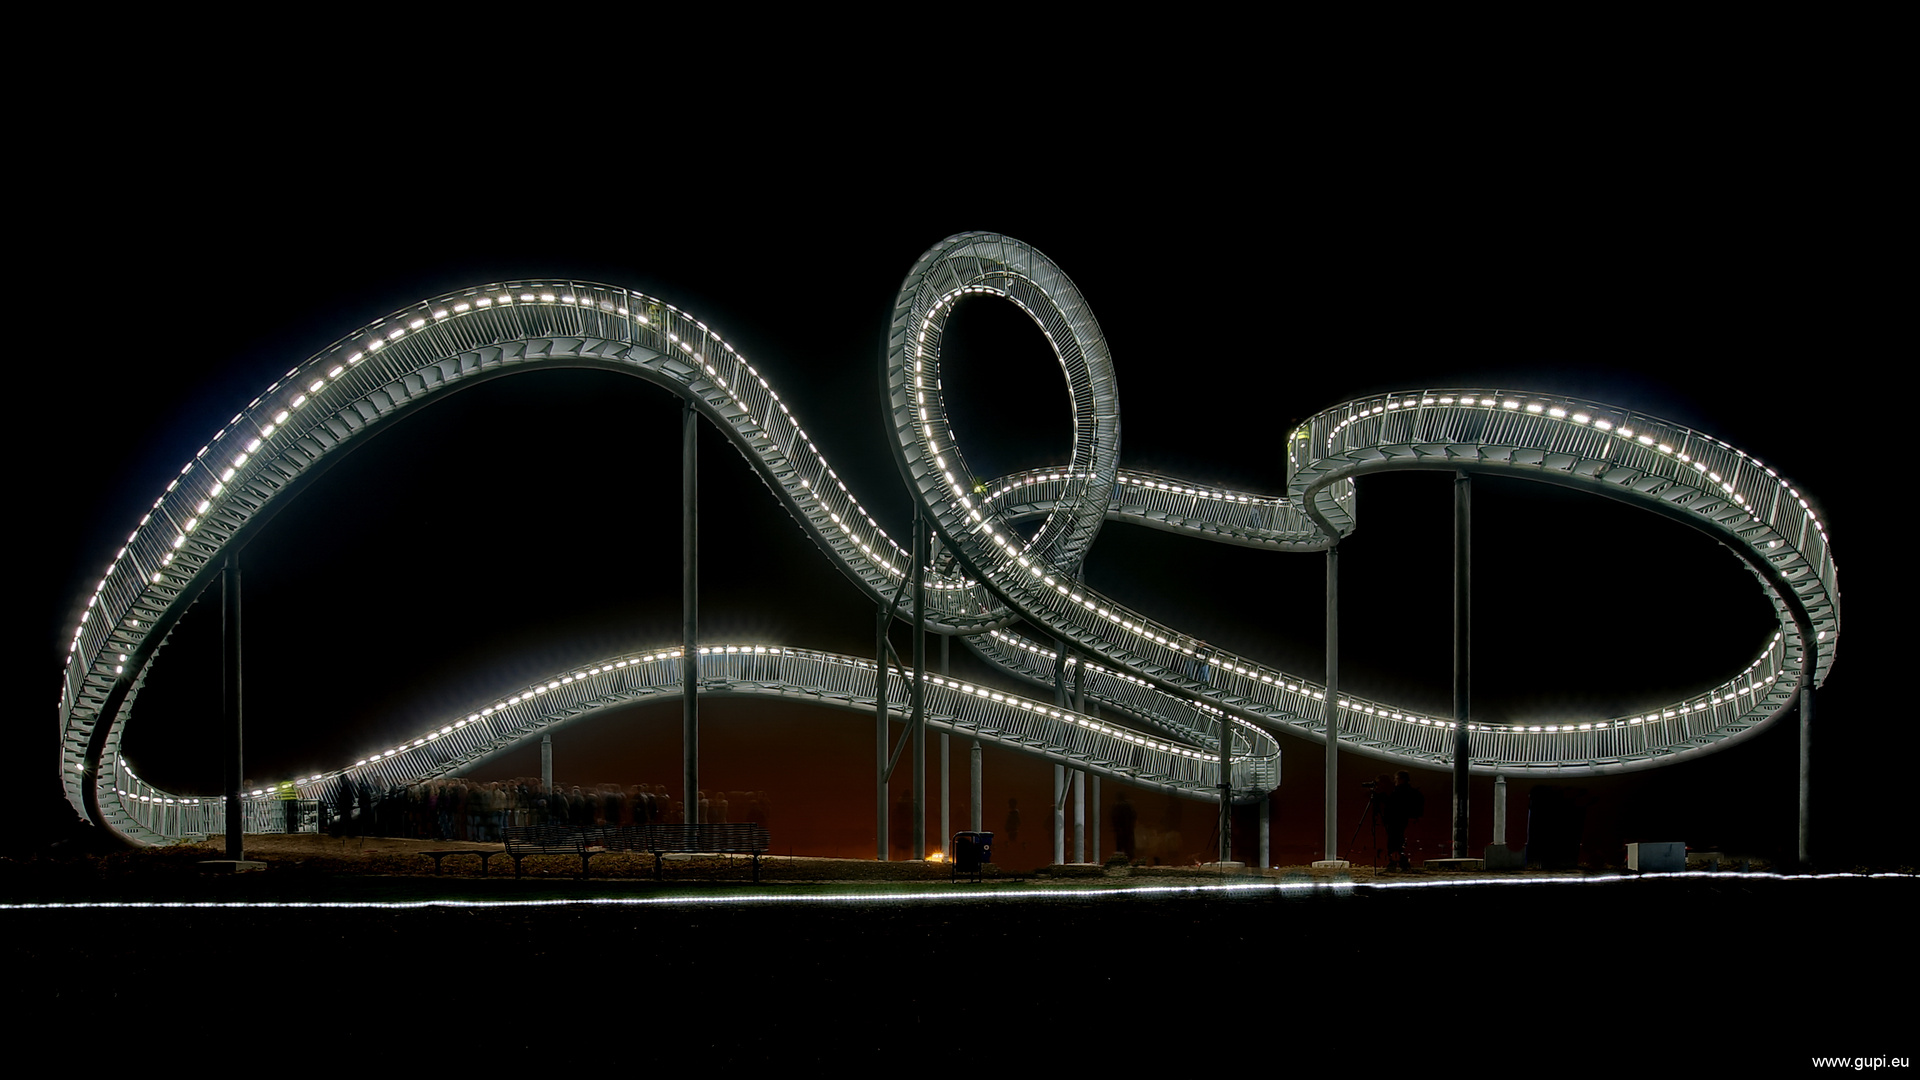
988 577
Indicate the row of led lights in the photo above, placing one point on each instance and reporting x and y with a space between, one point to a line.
1553 411
1018 642
150 798
1727 693
1147 633
1602 424
1125 478
1015 551
239 461
378 342
954 487
1039 708
532 692
1730 690
1373 710
1039 650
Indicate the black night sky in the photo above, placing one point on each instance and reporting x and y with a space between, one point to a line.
529 524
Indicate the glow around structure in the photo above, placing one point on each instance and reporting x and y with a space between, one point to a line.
1177 694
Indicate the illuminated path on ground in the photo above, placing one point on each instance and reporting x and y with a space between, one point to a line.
987 576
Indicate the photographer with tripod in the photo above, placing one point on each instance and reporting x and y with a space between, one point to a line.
1403 803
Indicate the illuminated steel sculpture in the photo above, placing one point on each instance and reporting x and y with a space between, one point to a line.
1176 695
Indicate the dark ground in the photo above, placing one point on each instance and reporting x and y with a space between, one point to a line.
1755 970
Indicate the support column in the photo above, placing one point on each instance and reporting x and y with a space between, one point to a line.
946 773
1079 816
1059 771
546 761
1500 810
1095 821
918 698
1225 825
690 610
1080 775
1462 655
1803 848
979 811
1059 814
1266 827
230 705
1331 813
880 620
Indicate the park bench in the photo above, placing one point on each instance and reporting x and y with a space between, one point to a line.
440 853
742 838
525 840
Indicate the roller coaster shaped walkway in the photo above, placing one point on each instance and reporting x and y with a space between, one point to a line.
1177 696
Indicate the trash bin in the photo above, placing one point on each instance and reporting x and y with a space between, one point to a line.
971 851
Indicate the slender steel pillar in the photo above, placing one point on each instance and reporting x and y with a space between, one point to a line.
1059 814
1500 810
1462 655
1060 771
1804 849
690 611
1080 775
946 773
1266 827
880 620
1079 815
1330 842
979 813
546 762
919 699
1094 821
230 705
1225 825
